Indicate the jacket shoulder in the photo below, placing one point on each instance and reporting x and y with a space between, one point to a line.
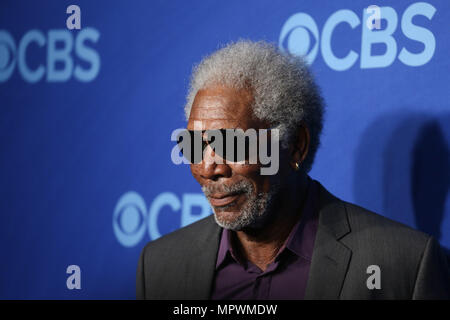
366 226
189 235
366 222
168 266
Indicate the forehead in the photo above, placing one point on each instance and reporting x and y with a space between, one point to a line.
221 107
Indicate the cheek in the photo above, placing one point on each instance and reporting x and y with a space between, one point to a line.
252 173
248 170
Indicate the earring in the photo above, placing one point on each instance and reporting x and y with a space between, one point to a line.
297 166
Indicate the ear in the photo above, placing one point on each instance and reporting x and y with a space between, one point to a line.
300 145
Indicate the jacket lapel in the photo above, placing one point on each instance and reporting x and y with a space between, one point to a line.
200 267
330 258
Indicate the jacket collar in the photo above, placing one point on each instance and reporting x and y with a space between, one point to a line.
201 263
331 258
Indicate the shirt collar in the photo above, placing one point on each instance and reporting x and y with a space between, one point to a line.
301 239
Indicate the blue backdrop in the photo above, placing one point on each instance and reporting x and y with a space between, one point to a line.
86 116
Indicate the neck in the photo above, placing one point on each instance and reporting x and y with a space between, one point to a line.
261 246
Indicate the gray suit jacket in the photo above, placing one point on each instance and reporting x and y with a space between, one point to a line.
349 238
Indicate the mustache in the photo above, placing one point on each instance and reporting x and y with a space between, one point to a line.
242 186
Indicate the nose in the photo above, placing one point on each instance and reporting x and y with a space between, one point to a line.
213 167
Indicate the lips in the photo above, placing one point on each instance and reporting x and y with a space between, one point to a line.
220 200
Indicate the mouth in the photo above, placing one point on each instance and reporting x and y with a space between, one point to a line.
223 199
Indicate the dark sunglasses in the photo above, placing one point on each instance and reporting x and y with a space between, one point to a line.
232 145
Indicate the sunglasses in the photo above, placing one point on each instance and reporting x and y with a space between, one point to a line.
231 145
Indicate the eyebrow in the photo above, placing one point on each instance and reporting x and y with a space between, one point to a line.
212 114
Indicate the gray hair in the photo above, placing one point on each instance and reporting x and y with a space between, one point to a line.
284 90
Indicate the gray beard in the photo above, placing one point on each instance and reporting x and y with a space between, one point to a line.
255 212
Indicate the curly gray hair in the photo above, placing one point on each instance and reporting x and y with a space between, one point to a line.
284 90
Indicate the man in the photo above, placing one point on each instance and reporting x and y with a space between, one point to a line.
280 236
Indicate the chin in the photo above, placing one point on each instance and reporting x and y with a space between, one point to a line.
227 215
228 219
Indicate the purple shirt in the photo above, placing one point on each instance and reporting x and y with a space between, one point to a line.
285 278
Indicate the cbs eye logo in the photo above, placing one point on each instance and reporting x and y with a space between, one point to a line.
7 54
132 218
129 219
298 34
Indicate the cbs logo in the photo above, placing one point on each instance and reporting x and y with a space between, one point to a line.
131 218
300 36
59 46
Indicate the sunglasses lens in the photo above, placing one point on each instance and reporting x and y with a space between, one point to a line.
240 146
235 145
188 148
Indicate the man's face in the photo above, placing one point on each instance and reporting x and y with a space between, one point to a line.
238 193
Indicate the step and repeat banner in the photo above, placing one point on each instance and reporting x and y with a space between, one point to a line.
90 92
